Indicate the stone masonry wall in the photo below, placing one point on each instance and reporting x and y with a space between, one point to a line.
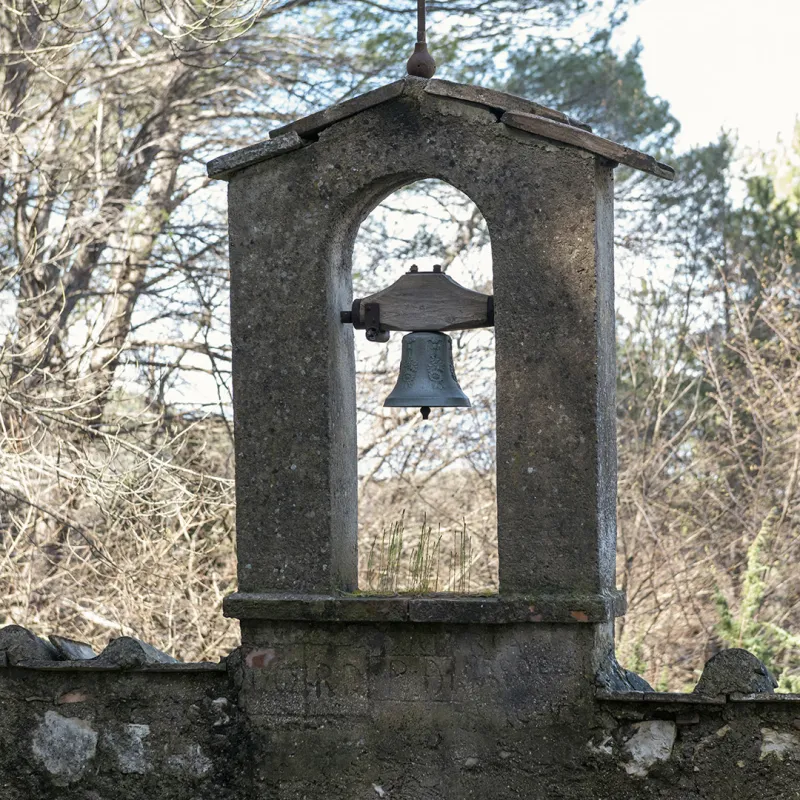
75 732
397 710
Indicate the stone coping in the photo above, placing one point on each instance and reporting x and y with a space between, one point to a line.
454 609
224 166
492 99
568 134
91 665
692 699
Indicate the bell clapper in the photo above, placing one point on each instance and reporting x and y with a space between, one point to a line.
425 411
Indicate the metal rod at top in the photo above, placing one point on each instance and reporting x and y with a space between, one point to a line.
421 64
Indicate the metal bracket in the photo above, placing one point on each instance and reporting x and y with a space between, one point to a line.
366 317
372 322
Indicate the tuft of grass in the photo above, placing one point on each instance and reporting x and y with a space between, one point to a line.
461 562
383 565
425 561
396 565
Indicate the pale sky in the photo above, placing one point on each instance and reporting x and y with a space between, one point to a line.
732 64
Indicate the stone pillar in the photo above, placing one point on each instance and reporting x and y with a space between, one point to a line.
554 322
293 385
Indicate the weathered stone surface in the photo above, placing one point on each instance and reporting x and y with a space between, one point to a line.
126 651
568 608
314 123
224 166
293 221
20 646
498 101
613 677
417 710
64 746
495 101
129 735
192 761
127 743
70 650
735 670
779 744
651 741
569 134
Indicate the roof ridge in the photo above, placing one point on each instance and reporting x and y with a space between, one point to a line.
493 99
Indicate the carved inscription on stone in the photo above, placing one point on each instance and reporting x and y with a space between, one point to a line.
336 681
277 677
309 680
323 680
412 678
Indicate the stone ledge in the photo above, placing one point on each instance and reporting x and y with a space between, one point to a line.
223 167
664 698
690 698
314 123
585 140
90 665
764 698
568 608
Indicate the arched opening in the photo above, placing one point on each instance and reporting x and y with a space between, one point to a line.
427 489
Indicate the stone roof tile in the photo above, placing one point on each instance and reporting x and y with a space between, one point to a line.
516 112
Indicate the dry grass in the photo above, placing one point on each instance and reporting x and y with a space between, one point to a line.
441 538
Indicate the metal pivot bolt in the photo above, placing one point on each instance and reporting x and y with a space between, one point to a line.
372 322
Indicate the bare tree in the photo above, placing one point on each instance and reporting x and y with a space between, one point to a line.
114 368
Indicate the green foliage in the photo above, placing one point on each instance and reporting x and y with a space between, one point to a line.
776 647
765 226
635 660
662 684
690 217
595 85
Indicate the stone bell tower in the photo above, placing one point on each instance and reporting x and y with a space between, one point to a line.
467 671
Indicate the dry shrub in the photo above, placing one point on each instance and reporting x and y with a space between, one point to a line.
709 460
118 533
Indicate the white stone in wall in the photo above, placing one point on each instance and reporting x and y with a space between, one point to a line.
192 762
64 746
779 745
604 748
127 744
652 742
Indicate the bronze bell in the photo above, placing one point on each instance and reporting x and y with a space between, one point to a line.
427 377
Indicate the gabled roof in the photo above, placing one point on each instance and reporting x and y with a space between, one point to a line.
516 112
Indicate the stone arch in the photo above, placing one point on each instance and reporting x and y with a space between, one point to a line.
548 208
